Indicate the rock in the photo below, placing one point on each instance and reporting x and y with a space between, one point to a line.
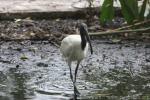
41 64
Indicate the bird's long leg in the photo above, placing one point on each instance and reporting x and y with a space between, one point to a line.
71 76
76 70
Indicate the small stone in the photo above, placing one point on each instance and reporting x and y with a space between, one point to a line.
18 49
64 73
24 58
40 77
40 64
17 66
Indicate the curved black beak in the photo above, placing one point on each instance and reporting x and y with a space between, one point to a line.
89 40
84 34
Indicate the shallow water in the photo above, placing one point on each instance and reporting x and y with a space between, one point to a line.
35 70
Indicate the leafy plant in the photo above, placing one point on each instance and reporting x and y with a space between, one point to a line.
107 11
129 8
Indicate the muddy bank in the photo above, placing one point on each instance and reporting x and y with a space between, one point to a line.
52 30
24 29
55 30
35 70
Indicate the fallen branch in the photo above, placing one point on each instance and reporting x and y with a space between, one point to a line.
1 85
135 24
21 39
117 32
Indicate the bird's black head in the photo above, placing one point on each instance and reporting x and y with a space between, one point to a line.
83 30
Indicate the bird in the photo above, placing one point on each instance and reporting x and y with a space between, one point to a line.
74 48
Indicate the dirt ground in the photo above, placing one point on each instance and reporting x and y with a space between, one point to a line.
32 68
52 30
35 70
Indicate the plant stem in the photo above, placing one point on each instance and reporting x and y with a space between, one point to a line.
117 32
135 24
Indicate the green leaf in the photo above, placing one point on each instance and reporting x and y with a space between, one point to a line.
129 10
107 11
23 57
142 10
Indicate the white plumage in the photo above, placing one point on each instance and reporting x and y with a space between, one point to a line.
75 48
71 48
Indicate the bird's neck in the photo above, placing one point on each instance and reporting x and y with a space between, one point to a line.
83 41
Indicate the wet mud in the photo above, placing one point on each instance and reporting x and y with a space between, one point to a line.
35 70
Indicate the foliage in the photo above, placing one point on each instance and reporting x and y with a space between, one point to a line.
129 9
106 9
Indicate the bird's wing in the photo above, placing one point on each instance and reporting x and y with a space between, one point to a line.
66 48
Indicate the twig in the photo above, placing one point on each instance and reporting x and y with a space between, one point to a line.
21 39
117 32
1 85
136 24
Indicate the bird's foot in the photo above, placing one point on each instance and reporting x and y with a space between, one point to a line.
76 92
